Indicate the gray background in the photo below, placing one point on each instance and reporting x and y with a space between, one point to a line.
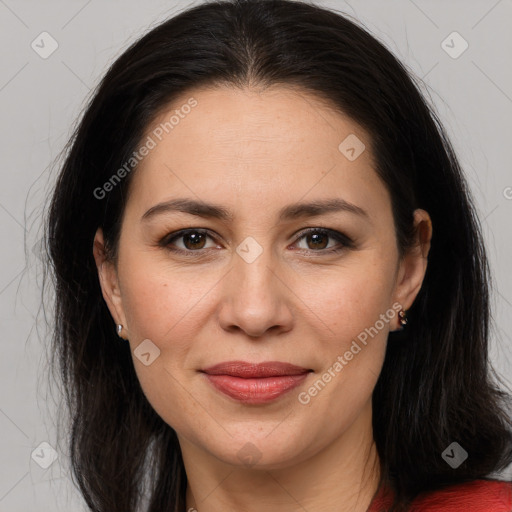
41 98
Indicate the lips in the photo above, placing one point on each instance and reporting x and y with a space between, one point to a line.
255 370
252 383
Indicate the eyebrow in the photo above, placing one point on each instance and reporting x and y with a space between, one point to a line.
290 212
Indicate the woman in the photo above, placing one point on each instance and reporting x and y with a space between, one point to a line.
261 205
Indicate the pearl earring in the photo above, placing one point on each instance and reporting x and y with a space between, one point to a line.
119 329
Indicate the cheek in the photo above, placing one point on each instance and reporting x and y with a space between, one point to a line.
164 302
164 307
160 308
149 305
350 298
348 330
351 338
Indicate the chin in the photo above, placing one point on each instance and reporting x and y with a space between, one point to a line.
264 450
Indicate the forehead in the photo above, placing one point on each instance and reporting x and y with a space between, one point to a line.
277 144
233 122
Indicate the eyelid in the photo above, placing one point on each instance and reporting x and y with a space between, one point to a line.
167 239
340 237
346 241
323 229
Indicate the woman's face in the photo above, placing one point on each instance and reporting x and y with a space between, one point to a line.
254 286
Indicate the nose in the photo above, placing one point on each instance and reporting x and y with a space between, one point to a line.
256 299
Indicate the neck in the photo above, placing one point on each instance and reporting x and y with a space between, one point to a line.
343 476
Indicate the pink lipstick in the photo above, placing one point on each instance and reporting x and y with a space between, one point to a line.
252 383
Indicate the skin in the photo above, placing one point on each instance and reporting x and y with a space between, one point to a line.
255 151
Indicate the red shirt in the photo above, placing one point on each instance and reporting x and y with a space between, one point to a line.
475 496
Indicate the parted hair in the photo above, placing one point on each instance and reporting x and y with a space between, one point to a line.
436 384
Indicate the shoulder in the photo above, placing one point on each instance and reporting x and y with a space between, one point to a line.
474 496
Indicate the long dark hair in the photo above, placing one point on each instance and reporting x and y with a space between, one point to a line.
436 386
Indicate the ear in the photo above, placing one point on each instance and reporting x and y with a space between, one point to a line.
107 274
413 266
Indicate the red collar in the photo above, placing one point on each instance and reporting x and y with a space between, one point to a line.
474 496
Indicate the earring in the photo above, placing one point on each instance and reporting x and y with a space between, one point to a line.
402 318
119 329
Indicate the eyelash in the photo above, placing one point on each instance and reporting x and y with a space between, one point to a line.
339 237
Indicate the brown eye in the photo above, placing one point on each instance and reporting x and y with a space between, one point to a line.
187 241
194 240
317 240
